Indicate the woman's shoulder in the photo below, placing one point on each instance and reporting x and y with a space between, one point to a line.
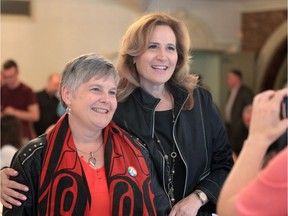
129 138
202 91
203 95
32 149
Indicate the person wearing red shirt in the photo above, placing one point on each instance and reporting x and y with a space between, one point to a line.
18 99
250 190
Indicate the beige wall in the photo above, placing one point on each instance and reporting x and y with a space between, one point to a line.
58 31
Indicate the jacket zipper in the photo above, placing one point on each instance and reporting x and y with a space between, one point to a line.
173 134
163 163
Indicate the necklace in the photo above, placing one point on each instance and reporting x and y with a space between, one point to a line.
92 160
170 168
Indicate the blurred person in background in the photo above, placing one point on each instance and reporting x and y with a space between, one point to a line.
246 118
18 99
11 139
60 110
247 115
48 102
240 95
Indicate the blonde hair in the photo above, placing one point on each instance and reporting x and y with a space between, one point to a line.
134 43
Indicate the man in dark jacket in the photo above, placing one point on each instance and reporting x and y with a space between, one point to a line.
48 103
239 96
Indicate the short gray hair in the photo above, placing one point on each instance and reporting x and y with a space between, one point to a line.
81 69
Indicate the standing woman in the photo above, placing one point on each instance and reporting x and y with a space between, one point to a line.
160 103
86 165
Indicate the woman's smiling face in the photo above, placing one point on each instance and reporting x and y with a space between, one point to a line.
157 64
94 103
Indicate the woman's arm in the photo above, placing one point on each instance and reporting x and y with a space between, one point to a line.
266 126
220 165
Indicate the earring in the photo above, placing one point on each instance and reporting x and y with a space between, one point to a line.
68 110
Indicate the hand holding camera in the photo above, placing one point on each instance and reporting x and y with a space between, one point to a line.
270 105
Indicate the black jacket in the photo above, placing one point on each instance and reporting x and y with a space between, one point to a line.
199 134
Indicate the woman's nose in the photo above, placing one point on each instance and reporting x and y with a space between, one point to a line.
161 55
104 97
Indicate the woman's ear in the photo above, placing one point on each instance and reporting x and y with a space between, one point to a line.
66 95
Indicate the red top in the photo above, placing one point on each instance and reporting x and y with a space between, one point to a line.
19 98
98 188
267 194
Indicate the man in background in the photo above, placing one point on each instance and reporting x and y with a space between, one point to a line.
48 102
18 99
239 97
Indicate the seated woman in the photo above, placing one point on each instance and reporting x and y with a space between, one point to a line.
86 165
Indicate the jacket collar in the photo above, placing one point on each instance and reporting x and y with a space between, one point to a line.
150 102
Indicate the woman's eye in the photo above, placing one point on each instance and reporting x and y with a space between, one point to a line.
95 89
171 48
112 93
152 46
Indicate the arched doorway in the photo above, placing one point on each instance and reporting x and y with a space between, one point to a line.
271 64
